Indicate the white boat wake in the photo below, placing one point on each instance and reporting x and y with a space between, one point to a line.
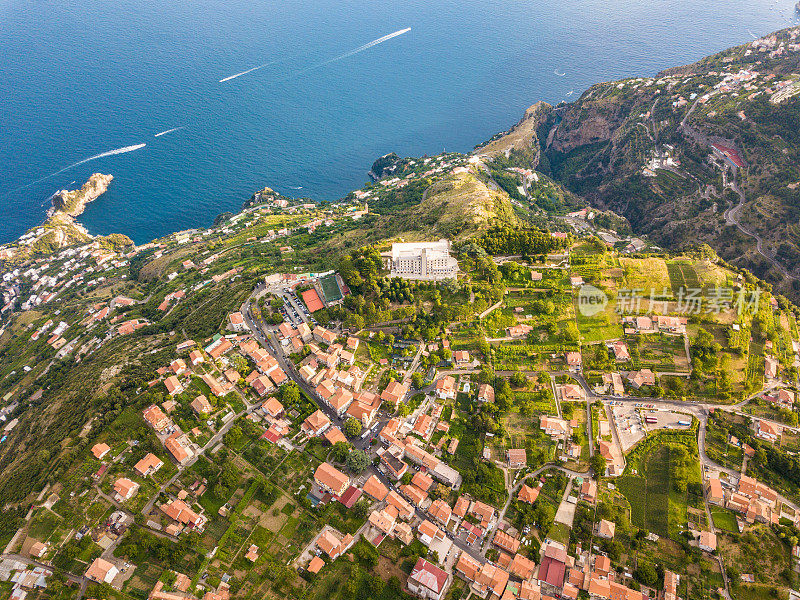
569 93
126 149
354 51
754 36
123 150
555 71
229 77
169 131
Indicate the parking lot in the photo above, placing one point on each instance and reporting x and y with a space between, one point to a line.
634 421
666 419
629 425
294 310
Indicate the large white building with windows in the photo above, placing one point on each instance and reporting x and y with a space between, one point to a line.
423 260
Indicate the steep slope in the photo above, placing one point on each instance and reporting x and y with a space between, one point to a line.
644 148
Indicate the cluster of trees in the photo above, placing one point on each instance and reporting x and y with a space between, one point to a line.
583 528
140 546
679 464
705 352
540 514
352 427
484 480
361 270
509 182
512 240
354 459
399 200
225 477
398 290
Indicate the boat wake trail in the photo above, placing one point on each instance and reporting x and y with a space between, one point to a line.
229 77
114 152
354 51
555 71
754 36
169 131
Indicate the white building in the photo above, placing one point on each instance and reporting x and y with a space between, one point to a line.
423 260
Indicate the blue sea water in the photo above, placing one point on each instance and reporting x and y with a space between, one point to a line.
82 78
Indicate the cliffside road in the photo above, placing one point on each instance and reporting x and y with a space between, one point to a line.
733 214
733 217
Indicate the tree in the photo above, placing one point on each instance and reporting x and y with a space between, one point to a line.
357 461
417 380
290 393
233 436
340 451
519 379
361 509
598 464
352 427
646 573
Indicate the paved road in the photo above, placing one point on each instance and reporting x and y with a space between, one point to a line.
156 532
268 340
211 444
512 492
81 580
733 217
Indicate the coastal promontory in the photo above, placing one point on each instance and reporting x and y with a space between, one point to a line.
73 202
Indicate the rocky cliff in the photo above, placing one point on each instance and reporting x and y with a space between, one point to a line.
73 202
648 148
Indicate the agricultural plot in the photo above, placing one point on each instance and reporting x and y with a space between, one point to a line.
672 184
724 519
600 327
710 274
645 273
660 353
509 356
721 451
682 276
539 402
521 432
655 505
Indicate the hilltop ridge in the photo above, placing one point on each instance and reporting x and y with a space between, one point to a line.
652 150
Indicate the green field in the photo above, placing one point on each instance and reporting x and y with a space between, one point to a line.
724 519
648 496
682 275
559 532
330 289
